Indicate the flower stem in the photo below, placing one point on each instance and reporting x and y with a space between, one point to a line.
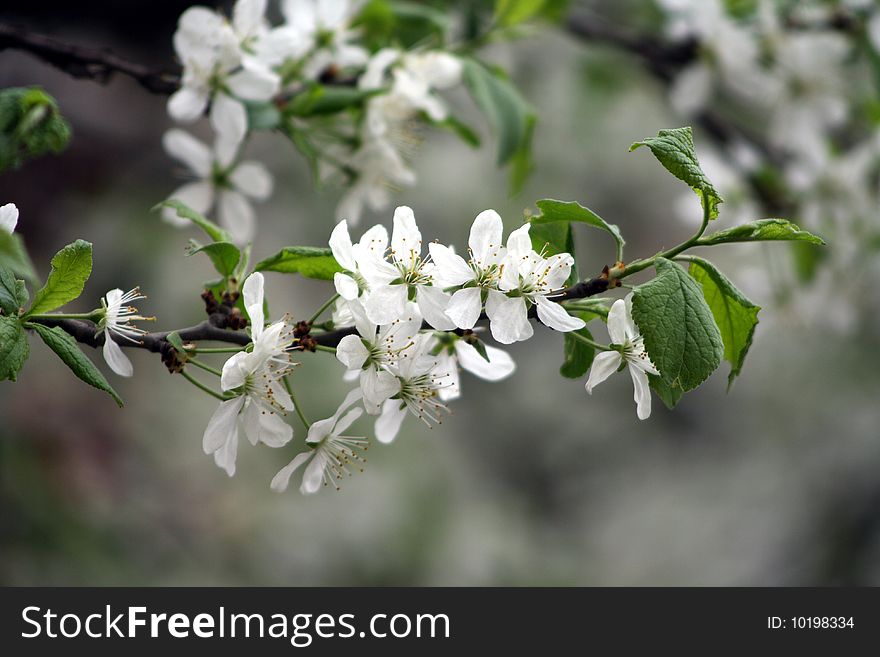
207 368
201 386
586 340
216 350
320 311
639 265
92 316
320 347
296 407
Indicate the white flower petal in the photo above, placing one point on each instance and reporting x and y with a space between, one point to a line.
341 246
117 360
604 365
432 304
374 75
451 268
226 455
486 236
313 477
386 303
253 292
519 243
274 431
346 286
556 317
247 17
351 352
229 120
509 318
8 217
187 104
253 179
347 420
235 371
254 81
406 239
237 216
198 196
377 386
388 423
281 481
222 425
373 242
499 366
617 322
641 393
193 153
464 307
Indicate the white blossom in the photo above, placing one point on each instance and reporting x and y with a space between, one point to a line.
376 349
350 282
324 25
8 217
631 350
331 455
528 278
476 276
407 275
421 382
116 323
415 78
379 169
461 354
221 181
256 379
216 57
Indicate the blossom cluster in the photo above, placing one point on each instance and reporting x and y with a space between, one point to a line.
232 66
804 75
411 314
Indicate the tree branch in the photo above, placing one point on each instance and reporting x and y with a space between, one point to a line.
86 332
89 63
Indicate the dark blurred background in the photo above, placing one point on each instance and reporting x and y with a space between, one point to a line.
530 481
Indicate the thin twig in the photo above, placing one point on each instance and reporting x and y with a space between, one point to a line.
94 64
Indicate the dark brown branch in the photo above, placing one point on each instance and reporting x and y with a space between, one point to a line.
89 63
85 332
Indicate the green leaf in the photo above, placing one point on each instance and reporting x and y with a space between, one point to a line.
69 352
734 314
508 113
224 255
71 268
552 211
13 348
511 12
263 116
30 125
308 261
319 99
521 164
211 229
15 256
10 292
680 333
462 130
668 395
766 230
552 239
675 150
578 354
